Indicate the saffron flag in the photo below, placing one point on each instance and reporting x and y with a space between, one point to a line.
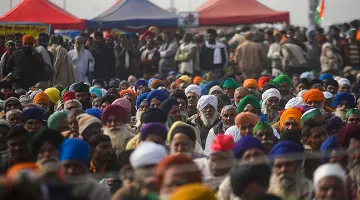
319 13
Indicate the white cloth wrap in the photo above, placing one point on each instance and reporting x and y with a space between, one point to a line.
205 100
294 102
193 88
327 170
344 81
147 153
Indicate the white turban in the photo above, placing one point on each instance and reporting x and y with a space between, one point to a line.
206 100
215 88
147 153
328 95
344 81
294 103
272 92
327 170
193 88
307 75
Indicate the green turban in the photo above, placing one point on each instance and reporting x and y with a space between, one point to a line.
56 119
261 125
352 111
248 100
229 83
310 114
281 79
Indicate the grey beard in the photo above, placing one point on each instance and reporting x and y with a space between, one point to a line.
340 113
78 54
208 122
285 184
119 137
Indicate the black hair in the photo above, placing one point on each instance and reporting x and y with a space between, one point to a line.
54 40
212 32
332 82
179 94
17 131
46 36
60 39
97 139
316 81
291 135
18 35
310 124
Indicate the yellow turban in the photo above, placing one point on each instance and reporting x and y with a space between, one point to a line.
53 94
194 191
186 78
292 113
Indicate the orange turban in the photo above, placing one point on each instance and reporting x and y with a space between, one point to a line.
293 113
156 83
262 81
15 170
41 96
29 39
178 82
128 91
250 117
197 80
313 95
250 83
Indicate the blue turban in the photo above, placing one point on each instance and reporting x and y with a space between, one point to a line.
158 94
246 143
95 112
75 149
326 76
96 91
344 96
205 88
139 83
283 148
327 147
153 128
140 99
32 113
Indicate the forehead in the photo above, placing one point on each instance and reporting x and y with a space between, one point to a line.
229 111
181 137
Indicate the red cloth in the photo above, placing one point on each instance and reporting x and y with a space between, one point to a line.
10 94
68 96
116 111
262 80
222 143
347 133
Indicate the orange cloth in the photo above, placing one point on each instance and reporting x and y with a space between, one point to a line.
197 80
15 170
293 113
284 39
313 95
156 82
29 39
128 91
178 82
250 83
262 80
250 117
358 35
41 96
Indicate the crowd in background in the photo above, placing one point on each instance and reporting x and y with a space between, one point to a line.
253 115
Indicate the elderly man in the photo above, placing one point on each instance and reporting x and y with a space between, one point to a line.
75 158
287 180
265 133
290 120
344 85
207 118
314 98
244 124
26 63
88 126
82 94
33 119
155 98
249 104
82 61
193 93
353 116
72 104
284 84
330 182
227 119
239 94
14 117
114 119
72 123
12 103
250 57
220 161
229 86
342 102
270 105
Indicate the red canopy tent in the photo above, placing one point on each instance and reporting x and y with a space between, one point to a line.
43 11
235 12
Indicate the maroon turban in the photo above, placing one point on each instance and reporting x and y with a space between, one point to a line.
116 111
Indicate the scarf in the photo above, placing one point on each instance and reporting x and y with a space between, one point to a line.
92 168
148 54
217 51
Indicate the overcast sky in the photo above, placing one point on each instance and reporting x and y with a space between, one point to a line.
336 11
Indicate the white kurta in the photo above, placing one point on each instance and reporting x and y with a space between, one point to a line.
82 65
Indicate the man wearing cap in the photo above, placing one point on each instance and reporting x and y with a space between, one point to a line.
43 101
154 132
27 64
88 126
229 86
82 94
75 158
12 103
287 180
220 162
213 55
342 102
270 105
265 133
249 104
193 93
82 61
330 182
353 116
284 84
207 118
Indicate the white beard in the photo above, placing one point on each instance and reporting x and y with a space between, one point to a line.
78 53
119 137
340 113
285 186
208 122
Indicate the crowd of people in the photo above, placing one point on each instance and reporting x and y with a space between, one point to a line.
255 115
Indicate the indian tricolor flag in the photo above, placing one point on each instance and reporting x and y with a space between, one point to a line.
319 13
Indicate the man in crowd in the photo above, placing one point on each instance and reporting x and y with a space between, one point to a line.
167 53
193 93
342 102
270 105
82 95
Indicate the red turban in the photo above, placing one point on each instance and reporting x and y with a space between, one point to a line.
10 94
222 143
182 161
262 80
116 111
313 95
29 39
69 96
